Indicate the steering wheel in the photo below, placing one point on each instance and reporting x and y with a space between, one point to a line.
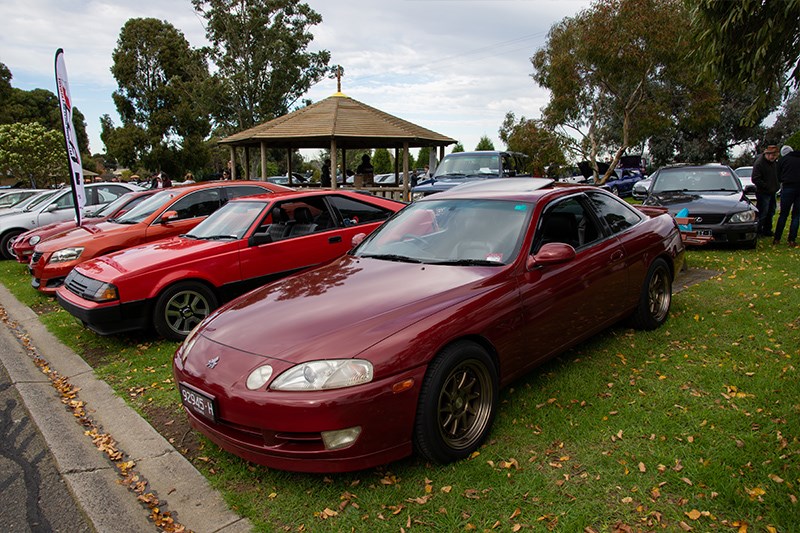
419 241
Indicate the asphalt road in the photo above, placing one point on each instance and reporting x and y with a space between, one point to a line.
34 495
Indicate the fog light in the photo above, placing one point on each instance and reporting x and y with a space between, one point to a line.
340 438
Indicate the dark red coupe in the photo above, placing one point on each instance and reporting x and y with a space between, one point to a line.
172 284
404 343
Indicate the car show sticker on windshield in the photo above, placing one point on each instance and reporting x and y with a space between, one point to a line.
197 402
520 207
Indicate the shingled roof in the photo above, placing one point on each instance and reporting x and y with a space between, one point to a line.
351 123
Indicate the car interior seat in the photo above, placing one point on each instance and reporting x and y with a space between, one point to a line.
303 222
279 228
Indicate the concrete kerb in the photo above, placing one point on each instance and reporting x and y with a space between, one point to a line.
89 475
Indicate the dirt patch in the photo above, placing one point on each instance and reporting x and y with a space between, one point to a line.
173 425
94 357
692 276
45 307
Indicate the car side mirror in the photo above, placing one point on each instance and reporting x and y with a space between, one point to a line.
552 253
50 208
167 216
257 239
358 238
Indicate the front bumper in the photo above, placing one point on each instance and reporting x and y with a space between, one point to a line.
282 430
106 318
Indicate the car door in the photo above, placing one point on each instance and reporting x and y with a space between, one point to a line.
566 302
313 230
190 209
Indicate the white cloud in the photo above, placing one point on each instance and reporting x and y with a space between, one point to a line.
453 66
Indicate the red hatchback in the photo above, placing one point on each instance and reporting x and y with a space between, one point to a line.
168 212
404 343
174 283
24 244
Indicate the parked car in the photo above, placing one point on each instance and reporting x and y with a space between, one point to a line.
57 207
404 343
168 212
297 179
641 188
24 244
620 185
40 196
713 196
173 284
465 167
12 197
745 176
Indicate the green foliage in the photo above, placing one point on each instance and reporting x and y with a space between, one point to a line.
458 147
162 86
793 140
542 146
382 161
484 144
750 42
786 123
423 157
32 153
260 50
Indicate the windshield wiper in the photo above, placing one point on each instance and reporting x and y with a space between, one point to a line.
216 237
468 262
393 257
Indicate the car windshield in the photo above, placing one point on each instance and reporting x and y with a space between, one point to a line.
696 180
744 172
451 232
147 207
107 209
471 165
40 200
229 222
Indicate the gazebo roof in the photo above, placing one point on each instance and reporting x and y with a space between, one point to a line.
351 123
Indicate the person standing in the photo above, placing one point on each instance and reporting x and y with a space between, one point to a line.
325 179
789 176
765 178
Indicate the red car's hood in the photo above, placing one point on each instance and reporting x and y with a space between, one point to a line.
79 235
151 256
340 309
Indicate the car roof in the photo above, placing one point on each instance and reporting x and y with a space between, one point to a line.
304 193
506 188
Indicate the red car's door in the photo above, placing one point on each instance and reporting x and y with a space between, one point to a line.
564 303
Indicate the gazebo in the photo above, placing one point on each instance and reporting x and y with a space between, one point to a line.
339 123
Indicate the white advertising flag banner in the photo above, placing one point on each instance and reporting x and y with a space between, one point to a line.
71 140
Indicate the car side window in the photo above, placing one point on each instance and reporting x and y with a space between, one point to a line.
107 193
65 201
617 214
296 218
242 190
354 212
569 222
197 204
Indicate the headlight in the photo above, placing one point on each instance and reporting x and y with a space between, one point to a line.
188 343
67 254
259 377
105 292
417 196
35 240
322 375
744 216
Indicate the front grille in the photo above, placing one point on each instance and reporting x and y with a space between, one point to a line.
708 218
79 284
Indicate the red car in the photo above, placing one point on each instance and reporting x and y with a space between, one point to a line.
174 283
404 343
166 213
24 244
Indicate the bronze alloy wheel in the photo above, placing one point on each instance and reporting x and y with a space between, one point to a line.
659 294
465 405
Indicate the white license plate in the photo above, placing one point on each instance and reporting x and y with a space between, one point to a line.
197 402
704 232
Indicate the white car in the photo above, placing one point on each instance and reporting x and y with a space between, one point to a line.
640 188
745 175
53 206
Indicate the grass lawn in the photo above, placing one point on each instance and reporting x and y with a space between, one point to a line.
694 426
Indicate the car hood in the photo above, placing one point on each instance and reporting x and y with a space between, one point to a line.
717 202
80 235
341 309
148 257
439 184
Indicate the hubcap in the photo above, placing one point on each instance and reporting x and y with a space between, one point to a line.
465 404
185 310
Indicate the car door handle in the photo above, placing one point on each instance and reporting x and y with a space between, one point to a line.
334 240
617 255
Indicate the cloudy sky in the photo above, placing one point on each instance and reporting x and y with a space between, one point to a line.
453 66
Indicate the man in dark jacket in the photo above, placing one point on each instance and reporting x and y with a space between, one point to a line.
789 175
765 178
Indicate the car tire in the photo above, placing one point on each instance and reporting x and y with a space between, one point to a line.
457 403
181 307
656 297
7 243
